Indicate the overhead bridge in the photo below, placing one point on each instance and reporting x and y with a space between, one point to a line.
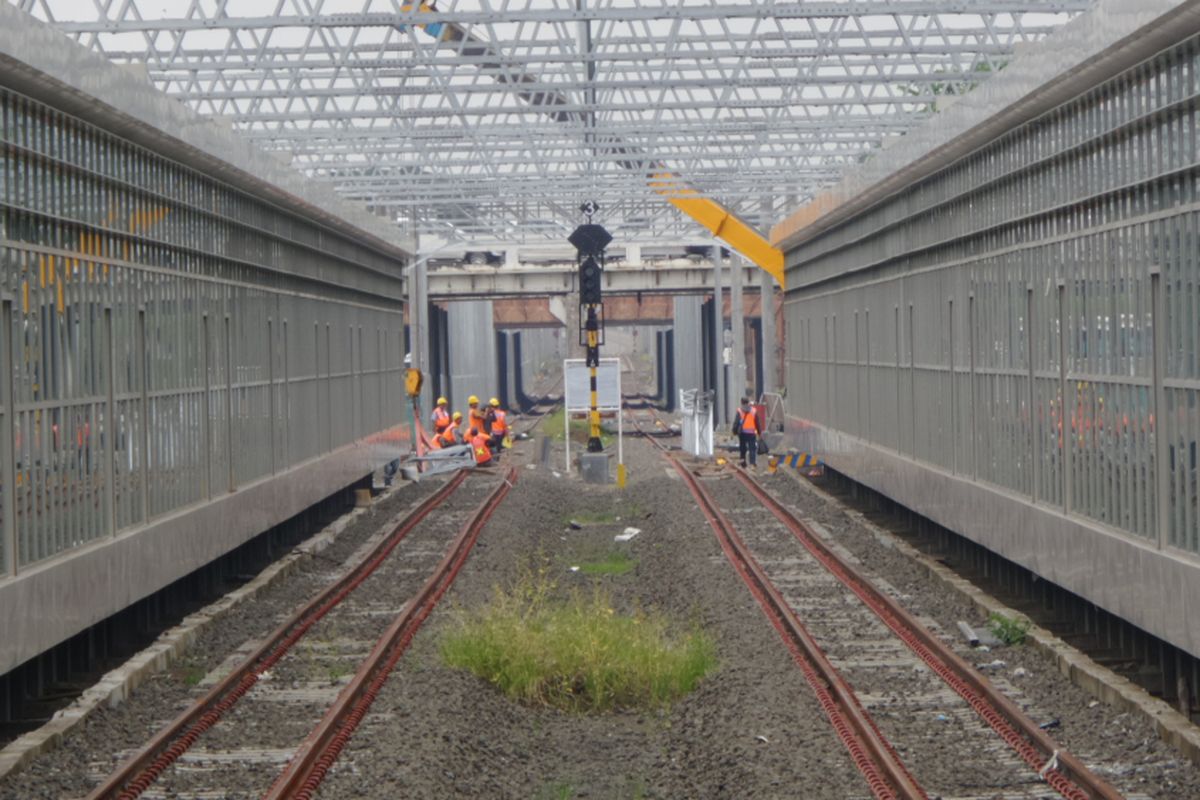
678 277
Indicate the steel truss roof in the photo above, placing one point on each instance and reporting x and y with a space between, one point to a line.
543 104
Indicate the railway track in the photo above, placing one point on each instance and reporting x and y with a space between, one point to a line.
544 408
853 633
319 668
545 405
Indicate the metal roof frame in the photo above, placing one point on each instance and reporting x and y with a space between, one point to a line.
755 103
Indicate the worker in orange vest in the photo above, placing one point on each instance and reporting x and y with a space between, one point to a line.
499 424
440 417
450 435
479 447
475 415
748 429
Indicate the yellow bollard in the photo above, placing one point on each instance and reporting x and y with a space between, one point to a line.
621 476
772 464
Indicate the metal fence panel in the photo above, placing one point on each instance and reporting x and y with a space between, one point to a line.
166 338
1030 315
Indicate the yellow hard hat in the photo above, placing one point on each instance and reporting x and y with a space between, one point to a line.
456 415
472 400
494 403
441 401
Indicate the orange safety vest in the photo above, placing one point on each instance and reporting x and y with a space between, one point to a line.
441 419
480 446
446 438
499 427
748 421
475 417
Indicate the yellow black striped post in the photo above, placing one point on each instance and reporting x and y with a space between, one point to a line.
593 361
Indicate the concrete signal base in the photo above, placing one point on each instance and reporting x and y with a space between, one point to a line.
594 467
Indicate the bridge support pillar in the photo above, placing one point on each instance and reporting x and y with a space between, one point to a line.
472 352
687 346
419 329
720 384
439 352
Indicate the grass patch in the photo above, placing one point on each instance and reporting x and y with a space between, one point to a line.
592 517
577 655
616 562
1011 631
339 671
557 791
619 513
581 429
192 674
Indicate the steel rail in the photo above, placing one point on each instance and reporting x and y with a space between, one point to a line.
307 769
554 403
885 773
144 767
533 423
874 756
1065 773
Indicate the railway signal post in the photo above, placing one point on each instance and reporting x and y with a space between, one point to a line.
589 241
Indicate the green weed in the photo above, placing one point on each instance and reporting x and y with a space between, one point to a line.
339 671
615 563
193 674
557 791
619 514
1011 631
580 429
592 517
578 655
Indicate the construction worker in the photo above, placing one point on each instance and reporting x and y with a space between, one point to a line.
440 416
450 435
499 424
748 429
479 447
475 415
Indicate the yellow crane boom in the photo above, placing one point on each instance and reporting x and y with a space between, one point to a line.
721 222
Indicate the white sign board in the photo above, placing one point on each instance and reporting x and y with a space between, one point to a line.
577 396
577 383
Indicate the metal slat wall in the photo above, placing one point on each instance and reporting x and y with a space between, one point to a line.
1028 317
167 339
1009 346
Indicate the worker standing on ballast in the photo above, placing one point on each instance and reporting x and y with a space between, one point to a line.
440 416
498 421
748 428
475 416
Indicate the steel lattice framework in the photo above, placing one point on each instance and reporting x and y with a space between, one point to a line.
498 133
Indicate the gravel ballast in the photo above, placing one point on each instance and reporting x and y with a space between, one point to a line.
752 728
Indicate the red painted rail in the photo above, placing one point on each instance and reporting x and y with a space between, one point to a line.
875 758
1065 773
320 750
142 769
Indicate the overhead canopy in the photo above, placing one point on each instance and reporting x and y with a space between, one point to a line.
493 121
